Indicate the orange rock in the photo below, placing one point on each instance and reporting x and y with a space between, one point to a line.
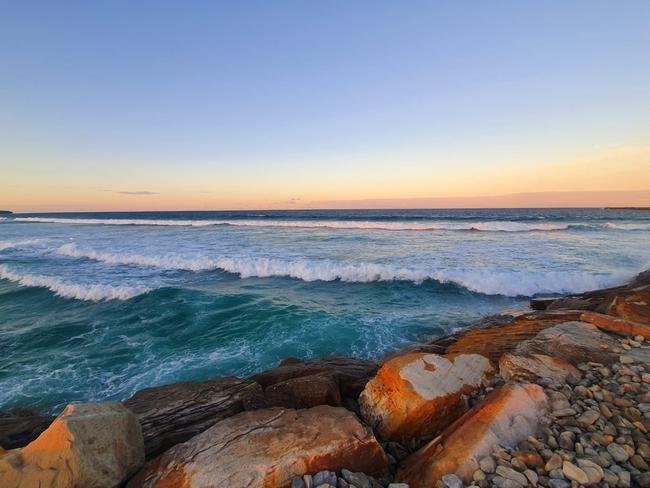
616 325
418 394
535 367
2 451
266 449
495 340
98 445
633 305
506 417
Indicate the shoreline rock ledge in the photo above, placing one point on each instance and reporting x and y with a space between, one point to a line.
558 398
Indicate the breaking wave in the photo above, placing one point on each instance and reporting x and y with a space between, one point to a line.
20 243
485 281
90 292
489 226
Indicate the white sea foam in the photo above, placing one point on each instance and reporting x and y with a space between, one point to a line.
489 226
91 292
19 243
486 281
628 226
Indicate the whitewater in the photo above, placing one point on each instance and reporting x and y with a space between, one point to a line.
95 306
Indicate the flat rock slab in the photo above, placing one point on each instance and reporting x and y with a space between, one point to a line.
419 394
537 366
575 342
498 337
88 445
506 417
616 325
633 304
174 413
267 449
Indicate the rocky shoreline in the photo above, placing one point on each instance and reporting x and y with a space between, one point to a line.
555 397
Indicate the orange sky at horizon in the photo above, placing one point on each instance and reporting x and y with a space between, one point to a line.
609 176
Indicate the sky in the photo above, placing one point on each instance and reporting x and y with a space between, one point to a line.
158 105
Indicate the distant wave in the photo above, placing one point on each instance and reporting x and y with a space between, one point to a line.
91 292
629 226
486 281
489 226
19 243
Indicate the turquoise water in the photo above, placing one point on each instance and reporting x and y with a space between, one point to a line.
97 306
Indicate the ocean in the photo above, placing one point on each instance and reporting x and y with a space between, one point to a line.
94 306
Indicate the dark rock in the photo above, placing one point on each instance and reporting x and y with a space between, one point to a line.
174 413
21 426
350 373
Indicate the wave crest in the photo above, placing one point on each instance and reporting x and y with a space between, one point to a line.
486 281
90 292
20 243
489 226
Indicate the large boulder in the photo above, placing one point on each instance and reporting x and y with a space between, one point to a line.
496 336
418 394
266 449
506 417
349 373
616 325
173 413
21 426
575 342
88 445
537 366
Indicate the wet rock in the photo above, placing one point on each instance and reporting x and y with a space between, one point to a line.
88 445
511 474
506 417
351 374
174 413
21 426
418 394
268 448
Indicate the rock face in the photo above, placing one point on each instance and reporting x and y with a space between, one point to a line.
506 417
616 325
575 342
633 304
420 393
173 413
89 445
350 374
495 337
20 427
304 392
537 366
266 449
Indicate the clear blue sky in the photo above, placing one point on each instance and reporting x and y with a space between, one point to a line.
275 101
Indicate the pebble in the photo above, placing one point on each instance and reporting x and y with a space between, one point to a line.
573 472
501 482
557 483
398 485
588 417
298 483
618 453
452 481
359 480
554 462
487 464
511 474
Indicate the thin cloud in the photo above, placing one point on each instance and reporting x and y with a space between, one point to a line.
139 192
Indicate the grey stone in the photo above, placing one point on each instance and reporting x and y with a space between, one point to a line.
501 482
511 474
298 483
558 483
619 454
452 481
487 464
